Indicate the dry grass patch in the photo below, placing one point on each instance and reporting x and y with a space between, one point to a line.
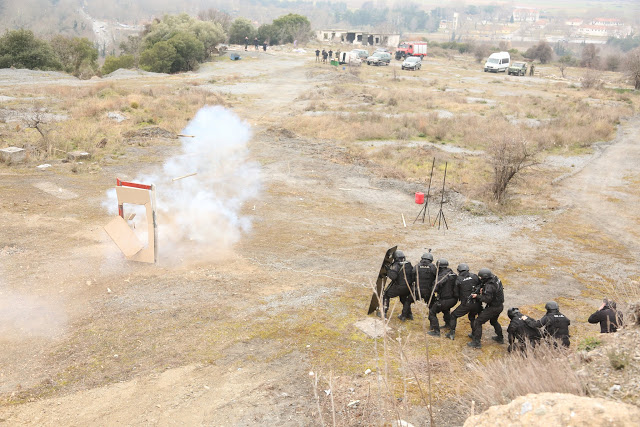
539 370
167 106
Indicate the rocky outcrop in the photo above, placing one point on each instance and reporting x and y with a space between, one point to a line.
556 409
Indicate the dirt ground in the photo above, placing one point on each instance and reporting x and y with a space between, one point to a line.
230 337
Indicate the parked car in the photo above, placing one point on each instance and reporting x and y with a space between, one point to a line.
363 54
379 58
518 69
412 63
497 62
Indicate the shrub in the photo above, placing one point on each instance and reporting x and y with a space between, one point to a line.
113 63
619 359
589 343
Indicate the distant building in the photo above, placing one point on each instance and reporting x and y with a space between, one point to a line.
593 30
521 14
450 24
540 23
574 22
358 37
607 22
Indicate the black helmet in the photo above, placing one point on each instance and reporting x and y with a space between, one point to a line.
427 256
512 312
551 305
462 267
399 255
442 262
484 273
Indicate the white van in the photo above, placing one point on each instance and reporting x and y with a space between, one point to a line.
498 61
349 58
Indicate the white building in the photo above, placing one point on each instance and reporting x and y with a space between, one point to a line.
522 14
363 38
607 22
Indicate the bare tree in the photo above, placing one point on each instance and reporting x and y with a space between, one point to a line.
36 119
508 155
590 56
217 17
481 51
632 67
564 62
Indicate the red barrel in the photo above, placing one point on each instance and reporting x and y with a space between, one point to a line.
419 198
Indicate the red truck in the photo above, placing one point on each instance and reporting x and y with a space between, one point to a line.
411 49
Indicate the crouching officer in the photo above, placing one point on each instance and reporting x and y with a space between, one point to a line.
555 324
445 299
492 294
520 333
401 275
425 277
608 316
466 284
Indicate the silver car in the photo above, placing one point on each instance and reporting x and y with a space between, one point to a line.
412 63
379 58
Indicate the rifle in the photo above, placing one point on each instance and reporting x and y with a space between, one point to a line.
475 290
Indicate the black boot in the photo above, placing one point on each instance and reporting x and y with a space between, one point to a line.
434 333
499 339
451 334
474 344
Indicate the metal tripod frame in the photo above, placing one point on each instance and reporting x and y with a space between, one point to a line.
425 207
440 217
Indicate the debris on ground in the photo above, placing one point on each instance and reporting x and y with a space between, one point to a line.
149 132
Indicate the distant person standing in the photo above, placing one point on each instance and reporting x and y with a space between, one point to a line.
246 42
532 69
264 45
317 55
256 43
330 54
324 56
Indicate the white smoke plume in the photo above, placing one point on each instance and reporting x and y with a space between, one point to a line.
204 208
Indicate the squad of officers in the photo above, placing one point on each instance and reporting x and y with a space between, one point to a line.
481 299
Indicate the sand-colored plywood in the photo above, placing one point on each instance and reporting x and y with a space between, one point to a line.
135 196
123 236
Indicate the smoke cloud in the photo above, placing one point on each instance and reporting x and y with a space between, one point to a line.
205 208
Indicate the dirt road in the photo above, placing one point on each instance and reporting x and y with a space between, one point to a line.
230 340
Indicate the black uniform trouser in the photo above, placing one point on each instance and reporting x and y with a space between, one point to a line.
520 343
563 339
490 314
471 310
441 306
405 298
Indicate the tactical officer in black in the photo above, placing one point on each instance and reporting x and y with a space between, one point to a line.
555 324
492 294
520 333
466 284
401 275
444 299
608 316
425 277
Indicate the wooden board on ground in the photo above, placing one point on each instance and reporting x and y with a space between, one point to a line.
123 236
382 278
